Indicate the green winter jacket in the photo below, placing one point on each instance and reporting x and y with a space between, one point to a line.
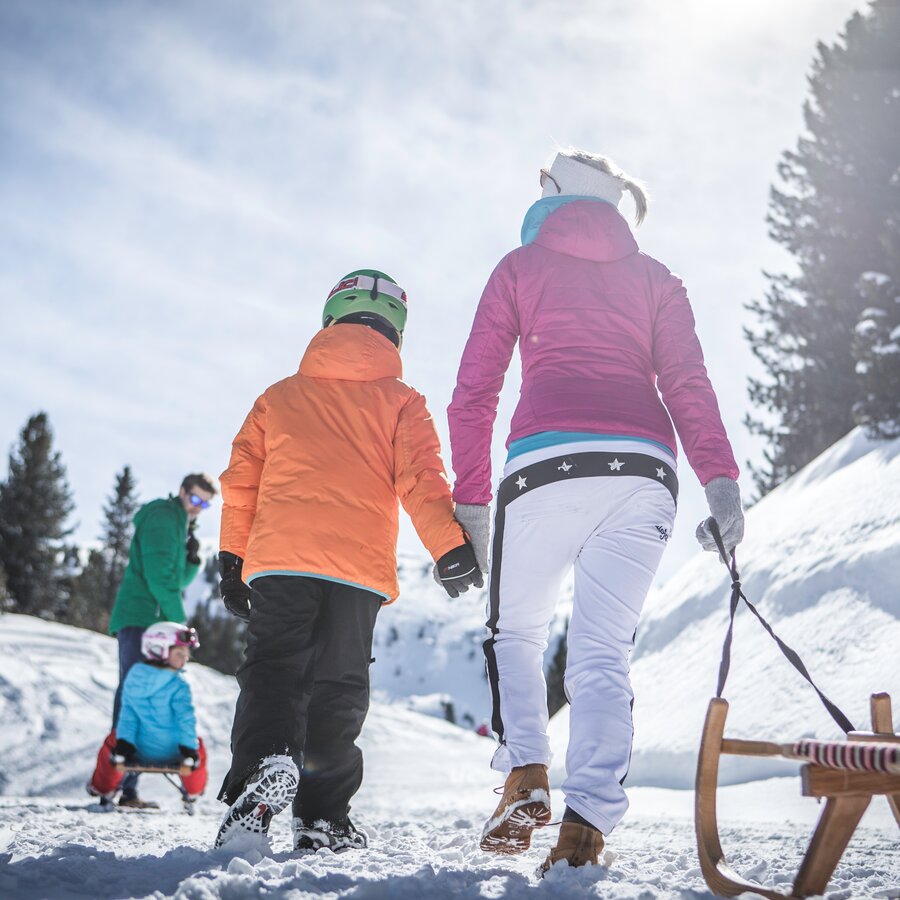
157 570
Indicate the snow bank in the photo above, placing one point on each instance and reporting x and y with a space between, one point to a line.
426 793
820 561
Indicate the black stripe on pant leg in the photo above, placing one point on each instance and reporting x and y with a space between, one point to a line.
631 748
490 657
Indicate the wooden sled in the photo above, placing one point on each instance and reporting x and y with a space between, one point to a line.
846 774
169 773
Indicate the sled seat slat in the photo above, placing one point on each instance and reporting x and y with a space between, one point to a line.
159 770
818 781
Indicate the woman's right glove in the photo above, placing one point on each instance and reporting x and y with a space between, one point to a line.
235 594
724 499
475 519
458 569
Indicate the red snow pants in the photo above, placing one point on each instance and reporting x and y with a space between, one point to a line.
106 778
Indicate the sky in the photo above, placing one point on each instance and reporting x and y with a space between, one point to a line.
182 184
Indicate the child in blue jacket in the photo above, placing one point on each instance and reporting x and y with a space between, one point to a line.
157 725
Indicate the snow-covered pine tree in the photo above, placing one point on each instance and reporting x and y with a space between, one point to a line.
35 502
877 353
840 195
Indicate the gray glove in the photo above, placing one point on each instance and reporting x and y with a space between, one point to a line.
724 499
475 520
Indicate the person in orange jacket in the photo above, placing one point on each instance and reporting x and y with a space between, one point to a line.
308 556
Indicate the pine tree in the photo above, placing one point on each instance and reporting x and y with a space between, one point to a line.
840 194
92 592
76 607
118 529
83 607
35 502
6 604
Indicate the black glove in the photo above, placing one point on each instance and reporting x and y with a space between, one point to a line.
190 756
192 548
235 594
458 569
123 754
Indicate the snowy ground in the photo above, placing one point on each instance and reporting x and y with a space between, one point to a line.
820 559
427 791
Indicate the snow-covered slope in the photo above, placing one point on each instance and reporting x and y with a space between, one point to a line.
821 561
56 690
426 793
428 648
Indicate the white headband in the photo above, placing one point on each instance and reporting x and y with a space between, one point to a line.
576 177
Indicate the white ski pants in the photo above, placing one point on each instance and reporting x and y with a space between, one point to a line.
612 527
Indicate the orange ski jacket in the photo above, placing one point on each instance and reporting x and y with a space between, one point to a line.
321 460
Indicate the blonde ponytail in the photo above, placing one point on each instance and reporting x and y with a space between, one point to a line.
636 188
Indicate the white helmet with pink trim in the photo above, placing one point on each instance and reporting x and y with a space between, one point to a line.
160 638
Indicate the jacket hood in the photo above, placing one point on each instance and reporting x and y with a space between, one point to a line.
351 353
587 228
144 679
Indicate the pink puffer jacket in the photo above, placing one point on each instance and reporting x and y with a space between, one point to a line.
600 327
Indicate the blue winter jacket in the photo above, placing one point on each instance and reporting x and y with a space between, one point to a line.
157 713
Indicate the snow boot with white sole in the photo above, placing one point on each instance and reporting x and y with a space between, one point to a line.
524 806
577 845
267 792
310 836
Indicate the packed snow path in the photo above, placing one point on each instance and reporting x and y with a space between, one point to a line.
60 851
426 794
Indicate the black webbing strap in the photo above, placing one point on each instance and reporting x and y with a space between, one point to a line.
736 596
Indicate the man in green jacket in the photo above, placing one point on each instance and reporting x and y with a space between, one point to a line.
162 561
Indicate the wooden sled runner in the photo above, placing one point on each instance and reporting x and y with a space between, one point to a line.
847 773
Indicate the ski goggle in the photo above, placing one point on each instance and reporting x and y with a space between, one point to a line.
545 175
374 286
198 501
187 638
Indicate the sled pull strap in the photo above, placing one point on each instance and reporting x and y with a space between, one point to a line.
793 658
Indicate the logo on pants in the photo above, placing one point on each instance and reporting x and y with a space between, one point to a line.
664 533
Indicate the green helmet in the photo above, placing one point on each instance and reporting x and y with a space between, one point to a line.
366 291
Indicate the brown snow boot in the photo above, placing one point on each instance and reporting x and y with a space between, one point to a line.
577 844
524 806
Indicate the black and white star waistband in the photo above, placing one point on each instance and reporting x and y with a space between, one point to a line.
586 465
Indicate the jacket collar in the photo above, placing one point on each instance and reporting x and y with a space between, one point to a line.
579 226
351 353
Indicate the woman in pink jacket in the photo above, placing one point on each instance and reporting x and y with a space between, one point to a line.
610 360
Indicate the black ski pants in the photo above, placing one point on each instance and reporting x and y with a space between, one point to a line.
305 688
